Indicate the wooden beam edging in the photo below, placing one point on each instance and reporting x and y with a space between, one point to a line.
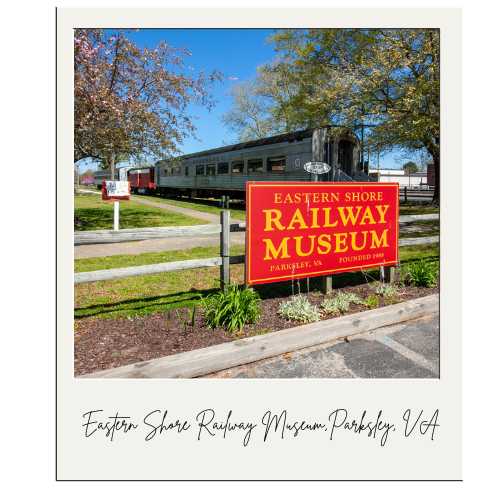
212 359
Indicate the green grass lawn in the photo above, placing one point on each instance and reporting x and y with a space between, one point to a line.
207 206
142 295
92 213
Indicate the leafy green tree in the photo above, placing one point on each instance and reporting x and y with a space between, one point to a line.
385 79
249 116
410 167
260 107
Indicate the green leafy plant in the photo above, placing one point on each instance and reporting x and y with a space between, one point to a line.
385 290
298 308
372 301
232 308
421 273
353 298
340 303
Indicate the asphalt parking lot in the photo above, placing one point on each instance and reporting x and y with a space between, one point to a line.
405 350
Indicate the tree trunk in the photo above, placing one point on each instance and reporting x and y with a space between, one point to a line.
112 165
437 177
434 150
77 179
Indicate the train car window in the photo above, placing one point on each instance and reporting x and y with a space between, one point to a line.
237 167
211 169
223 168
276 164
165 171
200 169
186 170
176 170
255 165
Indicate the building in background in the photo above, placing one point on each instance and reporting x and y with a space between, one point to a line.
418 180
87 180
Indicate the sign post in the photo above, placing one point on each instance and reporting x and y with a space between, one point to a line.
224 248
319 167
297 230
116 216
115 191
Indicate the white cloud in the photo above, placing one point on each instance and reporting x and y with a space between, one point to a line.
233 78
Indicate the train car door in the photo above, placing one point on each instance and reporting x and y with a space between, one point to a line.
345 156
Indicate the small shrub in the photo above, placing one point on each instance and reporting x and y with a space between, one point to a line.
421 273
340 303
352 298
298 308
385 290
232 308
372 301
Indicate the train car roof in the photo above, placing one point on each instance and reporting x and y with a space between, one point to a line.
133 169
275 139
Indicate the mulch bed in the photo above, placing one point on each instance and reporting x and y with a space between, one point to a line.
107 343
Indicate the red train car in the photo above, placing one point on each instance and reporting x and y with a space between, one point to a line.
142 180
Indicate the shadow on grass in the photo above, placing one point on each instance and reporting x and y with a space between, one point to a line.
145 305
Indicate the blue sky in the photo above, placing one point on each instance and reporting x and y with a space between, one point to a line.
236 53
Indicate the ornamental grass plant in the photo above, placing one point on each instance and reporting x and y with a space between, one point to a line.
232 308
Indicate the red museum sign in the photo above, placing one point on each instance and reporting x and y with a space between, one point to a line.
300 229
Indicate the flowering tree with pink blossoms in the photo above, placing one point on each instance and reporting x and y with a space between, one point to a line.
132 102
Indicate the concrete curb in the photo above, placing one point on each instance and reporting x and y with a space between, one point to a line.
230 354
